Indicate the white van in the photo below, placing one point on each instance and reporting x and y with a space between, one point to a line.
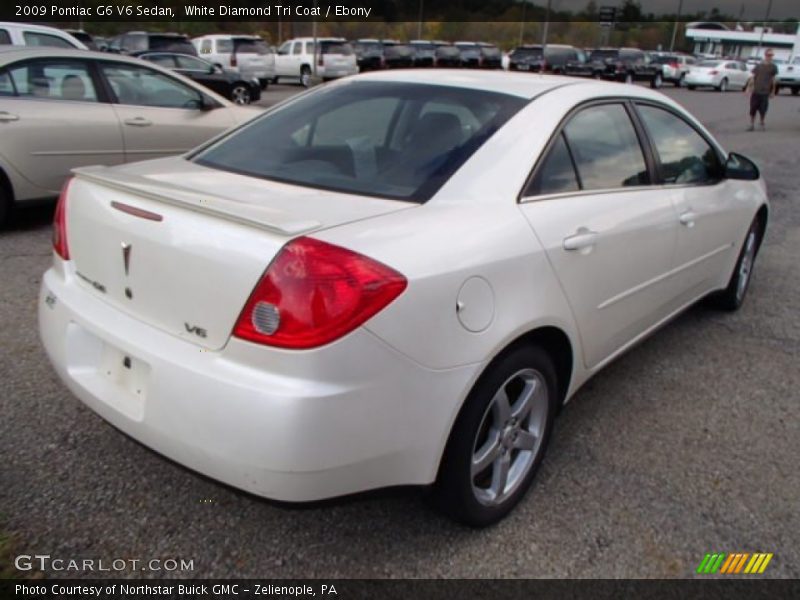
296 58
250 55
25 34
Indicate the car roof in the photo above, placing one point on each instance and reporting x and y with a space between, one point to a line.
524 85
9 53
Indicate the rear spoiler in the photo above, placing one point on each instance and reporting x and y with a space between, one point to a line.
225 208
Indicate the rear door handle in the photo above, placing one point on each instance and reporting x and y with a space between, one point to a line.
138 122
7 117
687 218
583 238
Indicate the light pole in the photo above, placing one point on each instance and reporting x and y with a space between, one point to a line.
764 27
522 22
546 26
419 19
675 28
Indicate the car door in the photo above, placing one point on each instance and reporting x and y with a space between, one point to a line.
608 233
160 115
54 119
690 167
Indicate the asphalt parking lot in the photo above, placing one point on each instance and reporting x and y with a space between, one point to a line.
686 445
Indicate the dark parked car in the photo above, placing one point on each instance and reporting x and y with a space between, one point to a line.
491 57
86 38
447 56
552 58
621 64
424 53
229 84
141 41
398 56
369 54
470 54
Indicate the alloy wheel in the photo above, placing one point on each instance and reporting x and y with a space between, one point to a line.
240 95
746 265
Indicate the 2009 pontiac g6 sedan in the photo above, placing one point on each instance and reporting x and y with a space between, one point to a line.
394 279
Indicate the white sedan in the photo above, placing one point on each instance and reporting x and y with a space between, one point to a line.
721 75
397 278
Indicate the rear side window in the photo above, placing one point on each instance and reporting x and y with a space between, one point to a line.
393 140
55 80
163 60
6 87
4 37
33 38
685 156
556 173
224 46
205 47
606 149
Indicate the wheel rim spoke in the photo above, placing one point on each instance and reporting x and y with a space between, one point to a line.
522 407
501 407
500 476
526 440
488 454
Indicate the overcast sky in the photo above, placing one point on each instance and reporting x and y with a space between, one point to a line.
753 9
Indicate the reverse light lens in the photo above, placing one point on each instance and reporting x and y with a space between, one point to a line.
60 223
314 293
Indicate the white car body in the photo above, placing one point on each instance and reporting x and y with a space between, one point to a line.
47 134
789 75
28 34
297 56
676 69
722 75
219 49
485 268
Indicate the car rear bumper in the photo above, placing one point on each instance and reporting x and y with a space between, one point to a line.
292 426
700 80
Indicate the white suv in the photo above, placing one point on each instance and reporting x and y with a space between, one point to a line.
25 34
298 58
789 76
249 55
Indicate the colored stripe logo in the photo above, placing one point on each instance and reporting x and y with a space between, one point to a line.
734 563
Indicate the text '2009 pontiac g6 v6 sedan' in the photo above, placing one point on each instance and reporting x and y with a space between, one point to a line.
393 279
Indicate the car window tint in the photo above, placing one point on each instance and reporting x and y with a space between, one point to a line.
685 156
297 48
192 64
205 47
224 46
393 140
133 84
56 80
5 38
163 60
6 87
556 173
605 148
135 42
43 39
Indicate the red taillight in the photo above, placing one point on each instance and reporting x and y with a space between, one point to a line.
673 65
314 293
60 223
320 62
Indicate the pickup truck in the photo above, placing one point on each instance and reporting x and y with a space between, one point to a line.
789 76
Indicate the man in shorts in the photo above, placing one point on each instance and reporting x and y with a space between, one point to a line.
761 87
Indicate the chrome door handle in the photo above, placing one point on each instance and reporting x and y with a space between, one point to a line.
687 218
138 122
583 238
6 117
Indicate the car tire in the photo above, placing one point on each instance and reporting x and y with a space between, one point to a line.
275 80
732 297
5 206
692 87
305 76
499 438
597 75
241 94
723 85
657 81
795 91
629 78
681 81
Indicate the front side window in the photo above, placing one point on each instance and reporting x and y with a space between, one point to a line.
685 156
393 140
33 38
6 87
190 63
606 149
162 60
137 85
59 79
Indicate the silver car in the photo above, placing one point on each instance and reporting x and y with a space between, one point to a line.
61 109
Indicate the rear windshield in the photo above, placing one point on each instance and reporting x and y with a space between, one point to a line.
172 44
490 51
447 51
369 48
603 54
468 49
250 46
392 140
424 46
664 60
399 50
709 63
526 52
336 48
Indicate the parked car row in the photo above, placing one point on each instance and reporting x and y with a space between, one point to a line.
375 54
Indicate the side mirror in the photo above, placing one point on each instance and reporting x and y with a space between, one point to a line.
741 167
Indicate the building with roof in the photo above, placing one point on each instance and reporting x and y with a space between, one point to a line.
717 39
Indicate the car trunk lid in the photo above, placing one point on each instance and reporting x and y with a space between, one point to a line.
181 247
